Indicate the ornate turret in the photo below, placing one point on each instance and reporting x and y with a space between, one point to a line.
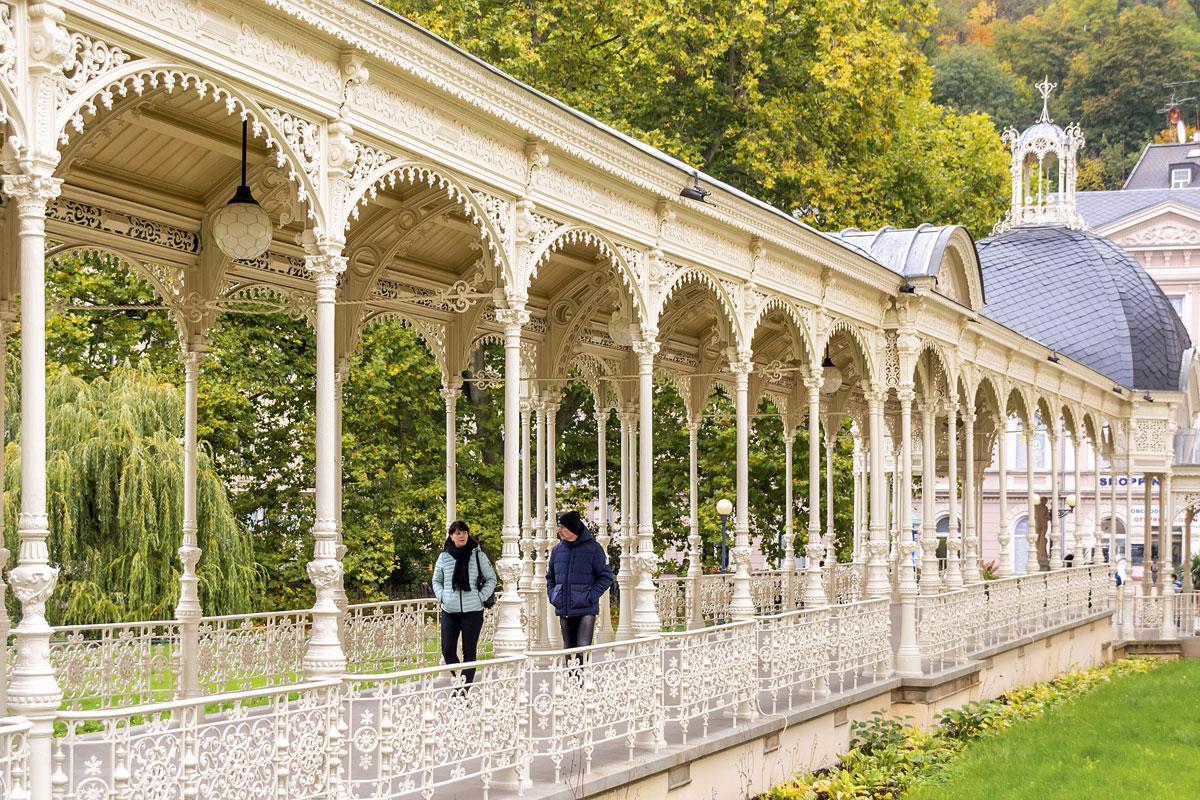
1043 172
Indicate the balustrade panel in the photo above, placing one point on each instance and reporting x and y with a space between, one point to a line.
670 599
390 636
706 672
863 646
415 730
108 666
244 651
795 652
581 698
14 757
273 743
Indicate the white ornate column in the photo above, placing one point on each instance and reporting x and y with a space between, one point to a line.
1166 532
1188 518
1077 545
859 468
954 578
1147 537
832 423
450 397
188 610
528 543
931 581
742 605
1111 556
509 638
1095 529
1056 555
604 629
971 572
877 583
695 555
645 614
6 320
1030 494
324 656
908 654
542 609
814 549
1005 568
625 576
33 691
787 557
339 587
549 622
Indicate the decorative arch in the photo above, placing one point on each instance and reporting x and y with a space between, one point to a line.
937 357
987 390
368 179
777 303
296 143
10 112
864 355
432 334
1024 410
725 300
578 234
169 290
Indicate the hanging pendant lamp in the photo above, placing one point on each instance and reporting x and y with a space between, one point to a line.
242 229
830 374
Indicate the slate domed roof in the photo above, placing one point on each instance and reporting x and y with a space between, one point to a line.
1085 297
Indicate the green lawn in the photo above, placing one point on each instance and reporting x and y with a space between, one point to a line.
1137 737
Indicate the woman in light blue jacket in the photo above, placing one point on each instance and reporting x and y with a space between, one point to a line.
463 580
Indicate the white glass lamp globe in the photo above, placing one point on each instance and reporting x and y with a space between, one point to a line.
1037 499
1071 501
831 377
724 507
242 229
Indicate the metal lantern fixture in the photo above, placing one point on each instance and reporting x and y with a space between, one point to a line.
724 509
242 229
831 376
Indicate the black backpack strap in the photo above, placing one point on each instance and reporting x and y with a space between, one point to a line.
479 581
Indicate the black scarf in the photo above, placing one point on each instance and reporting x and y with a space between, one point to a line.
462 563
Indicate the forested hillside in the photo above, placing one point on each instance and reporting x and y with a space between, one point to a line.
1110 60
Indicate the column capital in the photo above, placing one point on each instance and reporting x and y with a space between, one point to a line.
326 265
740 364
813 381
32 190
646 348
906 393
601 415
875 397
514 316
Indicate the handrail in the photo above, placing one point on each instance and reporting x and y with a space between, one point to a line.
146 709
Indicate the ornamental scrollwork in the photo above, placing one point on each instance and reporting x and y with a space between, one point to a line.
89 58
304 138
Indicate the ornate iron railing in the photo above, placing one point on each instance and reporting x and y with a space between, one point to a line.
415 730
14 757
278 742
585 697
706 672
794 655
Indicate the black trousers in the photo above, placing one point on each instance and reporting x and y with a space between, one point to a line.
577 631
467 625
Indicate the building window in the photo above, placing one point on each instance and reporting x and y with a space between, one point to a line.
1181 177
1176 303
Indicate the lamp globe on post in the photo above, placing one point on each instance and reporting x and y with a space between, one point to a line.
242 229
724 509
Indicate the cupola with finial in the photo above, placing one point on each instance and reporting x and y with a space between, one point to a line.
1044 171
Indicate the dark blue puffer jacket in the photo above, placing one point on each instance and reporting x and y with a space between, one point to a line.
578 575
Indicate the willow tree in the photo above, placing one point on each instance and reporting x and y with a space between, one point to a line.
115 495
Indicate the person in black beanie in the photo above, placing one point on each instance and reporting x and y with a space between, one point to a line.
577 576
463 580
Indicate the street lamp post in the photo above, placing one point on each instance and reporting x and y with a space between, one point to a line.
724 509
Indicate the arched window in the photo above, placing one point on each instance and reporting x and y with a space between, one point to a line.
1105 524
943 530
1020 544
